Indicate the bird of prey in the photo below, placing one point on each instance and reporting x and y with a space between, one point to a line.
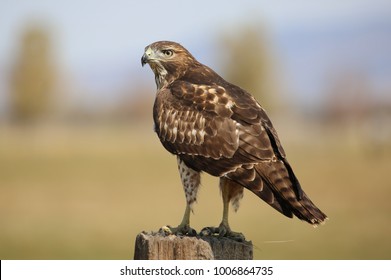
219 128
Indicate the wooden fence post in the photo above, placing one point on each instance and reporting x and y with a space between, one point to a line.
154 246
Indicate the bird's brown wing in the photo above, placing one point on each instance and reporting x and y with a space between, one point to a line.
222 130
195 120
271 177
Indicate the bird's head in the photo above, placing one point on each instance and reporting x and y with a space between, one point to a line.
168 60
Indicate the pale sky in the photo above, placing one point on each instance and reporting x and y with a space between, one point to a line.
115 32
92 29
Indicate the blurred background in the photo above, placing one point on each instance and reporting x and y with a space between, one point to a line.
82 172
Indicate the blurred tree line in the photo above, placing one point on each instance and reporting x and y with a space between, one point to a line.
246 58
248 61
33 77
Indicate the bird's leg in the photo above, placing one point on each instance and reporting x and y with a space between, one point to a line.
224 228
190 181
184 227
229 191
186 217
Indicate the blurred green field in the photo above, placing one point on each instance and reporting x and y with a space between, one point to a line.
84 192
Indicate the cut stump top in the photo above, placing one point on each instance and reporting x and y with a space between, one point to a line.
155 246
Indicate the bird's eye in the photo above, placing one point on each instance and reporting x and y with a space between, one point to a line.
167 53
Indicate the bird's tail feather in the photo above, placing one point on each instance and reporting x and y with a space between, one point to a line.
275 183
280 179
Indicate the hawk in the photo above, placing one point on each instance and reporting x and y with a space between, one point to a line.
219 128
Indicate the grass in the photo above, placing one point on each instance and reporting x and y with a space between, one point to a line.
84 192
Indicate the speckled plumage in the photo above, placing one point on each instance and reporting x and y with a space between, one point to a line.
216 127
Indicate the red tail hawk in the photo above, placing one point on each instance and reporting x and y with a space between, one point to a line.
216 127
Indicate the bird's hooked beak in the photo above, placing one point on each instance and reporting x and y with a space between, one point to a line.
144 60
147 56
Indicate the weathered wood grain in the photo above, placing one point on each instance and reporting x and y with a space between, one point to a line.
154 246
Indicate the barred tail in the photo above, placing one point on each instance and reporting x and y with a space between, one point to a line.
279 177
306 210
276 184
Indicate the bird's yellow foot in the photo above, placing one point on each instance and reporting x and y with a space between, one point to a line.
181 230
223 231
